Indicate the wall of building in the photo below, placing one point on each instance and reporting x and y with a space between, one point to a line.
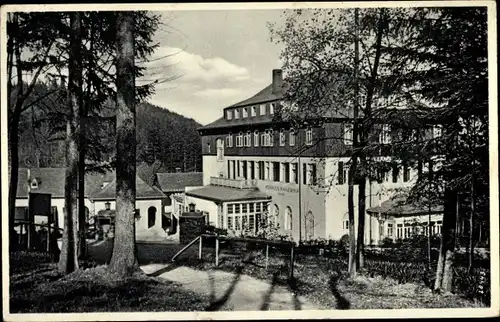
336 201
211 168
311 207
203 205
143 206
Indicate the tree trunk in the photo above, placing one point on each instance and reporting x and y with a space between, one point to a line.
352 232
429 246
82 243
69 258
471 224
13 139
124 259
352 168
361 217
82 218
13 50
444 273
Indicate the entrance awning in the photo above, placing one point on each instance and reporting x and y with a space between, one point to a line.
225 194
399 207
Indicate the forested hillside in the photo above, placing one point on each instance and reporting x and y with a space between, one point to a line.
164 138
167 137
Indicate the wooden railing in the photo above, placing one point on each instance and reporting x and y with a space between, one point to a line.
219 239
234 183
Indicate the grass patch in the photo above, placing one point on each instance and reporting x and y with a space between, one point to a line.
95 290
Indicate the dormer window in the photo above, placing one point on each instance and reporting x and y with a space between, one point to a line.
282 137
256 138
229 114
291 139
236 114
262 109
34 184
248 138
239 140
254 110
229 140
309 136
245 112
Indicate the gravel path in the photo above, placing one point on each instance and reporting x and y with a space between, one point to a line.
231 291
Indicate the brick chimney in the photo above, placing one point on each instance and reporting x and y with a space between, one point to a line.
277 81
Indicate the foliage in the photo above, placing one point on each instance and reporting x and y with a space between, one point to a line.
212 230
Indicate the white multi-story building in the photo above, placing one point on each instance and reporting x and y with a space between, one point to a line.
253 164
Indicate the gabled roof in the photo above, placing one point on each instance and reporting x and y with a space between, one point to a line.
51 181
265 95
143 191
224 194
177 181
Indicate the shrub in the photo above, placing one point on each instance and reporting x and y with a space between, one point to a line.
212 230
475 284
386 242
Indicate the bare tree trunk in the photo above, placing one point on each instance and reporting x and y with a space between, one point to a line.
444 273
361 219
471 224
13 130
429 247
364 129
352 168
82 218
350 206
124 258
14 118
69 258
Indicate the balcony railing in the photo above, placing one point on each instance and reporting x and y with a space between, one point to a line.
234 183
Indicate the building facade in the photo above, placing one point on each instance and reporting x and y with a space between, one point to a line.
255 163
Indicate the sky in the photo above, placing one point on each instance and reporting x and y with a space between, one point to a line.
219 57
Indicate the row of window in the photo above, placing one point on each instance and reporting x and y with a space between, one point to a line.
404 231
286 172
385 134
343 174
249 111
244 208
265 138
246 216
243 216
407 231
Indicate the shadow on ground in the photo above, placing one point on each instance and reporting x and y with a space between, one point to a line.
342 302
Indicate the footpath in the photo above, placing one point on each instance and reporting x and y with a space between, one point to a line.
231 291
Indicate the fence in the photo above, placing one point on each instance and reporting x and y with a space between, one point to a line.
28 235
218 239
